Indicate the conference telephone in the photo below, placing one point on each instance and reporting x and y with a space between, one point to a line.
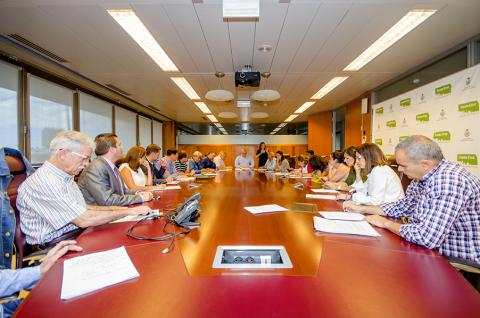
188 212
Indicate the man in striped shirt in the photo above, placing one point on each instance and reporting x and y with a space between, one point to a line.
442 203
50 202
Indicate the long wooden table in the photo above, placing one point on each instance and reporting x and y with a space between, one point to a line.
332 275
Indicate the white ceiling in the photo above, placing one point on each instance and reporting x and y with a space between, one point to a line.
312 42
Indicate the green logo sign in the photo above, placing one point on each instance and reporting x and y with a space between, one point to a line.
379 111
467 159
391 123
470 107
406 102
442 136
443 90
378 142
424 117
402 138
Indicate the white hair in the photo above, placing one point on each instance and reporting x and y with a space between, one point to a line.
418 147
197 154
71 140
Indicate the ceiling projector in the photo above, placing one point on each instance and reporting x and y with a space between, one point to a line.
247 78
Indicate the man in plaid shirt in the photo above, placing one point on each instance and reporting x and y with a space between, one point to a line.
442 202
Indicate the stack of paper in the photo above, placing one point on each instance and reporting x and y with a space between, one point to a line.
321 196
344 227
324 191
340 215
84 274
174 182
292 176
186 179
210 174
265 209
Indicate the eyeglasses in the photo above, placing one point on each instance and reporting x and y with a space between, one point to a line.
81 155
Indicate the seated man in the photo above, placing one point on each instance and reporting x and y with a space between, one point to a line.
194 163
13 281
219 160
442 203
51 205
207 162
168 163
244 161
100 181
182 162
152 155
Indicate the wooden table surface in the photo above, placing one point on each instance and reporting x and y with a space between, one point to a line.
332 275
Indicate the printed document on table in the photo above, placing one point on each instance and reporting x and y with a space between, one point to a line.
85 274
299 177
339 215
321 196
324 191
343 227
186 179
265 209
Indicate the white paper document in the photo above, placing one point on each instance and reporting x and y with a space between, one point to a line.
321 196
173 182
259 209
346 216
175 187
292 176
210 174
324 191
186 179
85 274
344 227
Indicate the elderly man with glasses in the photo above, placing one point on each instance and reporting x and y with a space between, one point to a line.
51 205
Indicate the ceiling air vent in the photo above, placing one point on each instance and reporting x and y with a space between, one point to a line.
37 48
117 89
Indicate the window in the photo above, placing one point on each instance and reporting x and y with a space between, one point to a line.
145 131
50 113
9 106
157 133
95 115
126 127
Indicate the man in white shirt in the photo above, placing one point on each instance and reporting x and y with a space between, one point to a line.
51 204
219 160
243 160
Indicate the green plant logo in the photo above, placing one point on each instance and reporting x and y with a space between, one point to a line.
406 102
379 111
470 107
442 136
391 124
424 117
469 159
443 90
378 141
402 138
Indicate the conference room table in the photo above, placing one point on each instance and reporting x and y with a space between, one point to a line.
332 275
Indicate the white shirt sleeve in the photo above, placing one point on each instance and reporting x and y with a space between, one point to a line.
382 186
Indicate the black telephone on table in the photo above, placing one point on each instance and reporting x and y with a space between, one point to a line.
187 212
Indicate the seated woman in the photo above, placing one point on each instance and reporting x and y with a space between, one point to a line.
319 168
304 167
131 173
349 159
282 163
337 170
382 185
271 162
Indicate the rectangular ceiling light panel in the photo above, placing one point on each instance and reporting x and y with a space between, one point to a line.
334 82
203 107
291 117
185 86
406 24
129 21
304 107
241 8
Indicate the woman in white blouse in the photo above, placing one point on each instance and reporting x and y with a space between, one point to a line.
382 184
132 173
282 162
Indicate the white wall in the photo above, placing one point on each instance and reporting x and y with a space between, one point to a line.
242 139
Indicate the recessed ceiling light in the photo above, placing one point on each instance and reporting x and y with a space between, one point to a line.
264 48
218 125
304 107
334 82
212 118
129 21
185 86
203 107
227 115
243 103
291 117
406 24
241 8
282 125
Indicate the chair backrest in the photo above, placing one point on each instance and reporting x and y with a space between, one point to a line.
17 170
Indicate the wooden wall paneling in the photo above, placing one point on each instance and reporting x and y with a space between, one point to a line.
320 132
353 123
169 136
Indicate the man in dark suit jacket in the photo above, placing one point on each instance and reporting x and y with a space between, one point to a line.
100 181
